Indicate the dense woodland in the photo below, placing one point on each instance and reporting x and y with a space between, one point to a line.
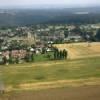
18 17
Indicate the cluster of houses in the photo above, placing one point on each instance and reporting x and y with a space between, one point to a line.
43 34
73 38
22 53
14 54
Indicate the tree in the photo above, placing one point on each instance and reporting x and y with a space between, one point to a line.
66 33
56 53
27 58
77 30
32 57
43 50
65 54
49 56
17 60
61 54
10 58
98 35
4 60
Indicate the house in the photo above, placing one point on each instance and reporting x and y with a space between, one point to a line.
1 58
50 42
48 49
38 51
15 53
52 36
5 53
73 38
18 53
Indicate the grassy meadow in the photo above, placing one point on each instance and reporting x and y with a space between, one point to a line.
51 74
82 68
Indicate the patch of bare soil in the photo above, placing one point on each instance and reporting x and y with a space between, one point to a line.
79 93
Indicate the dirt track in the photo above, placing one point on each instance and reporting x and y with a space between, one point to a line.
80 93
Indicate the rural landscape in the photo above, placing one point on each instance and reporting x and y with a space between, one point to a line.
80 72
49 50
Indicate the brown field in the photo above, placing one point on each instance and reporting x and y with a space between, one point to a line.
79 93
81 50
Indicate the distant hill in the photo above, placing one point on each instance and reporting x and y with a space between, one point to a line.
14 17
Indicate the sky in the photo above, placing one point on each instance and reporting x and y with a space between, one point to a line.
41 3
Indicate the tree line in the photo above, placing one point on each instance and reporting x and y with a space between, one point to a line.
30 57
60 54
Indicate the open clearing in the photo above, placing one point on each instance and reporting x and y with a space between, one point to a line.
81 50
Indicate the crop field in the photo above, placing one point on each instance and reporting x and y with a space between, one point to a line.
81 50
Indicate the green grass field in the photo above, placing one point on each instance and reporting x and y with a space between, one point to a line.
50 71
43 57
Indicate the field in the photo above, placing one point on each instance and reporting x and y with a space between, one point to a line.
77 78
51 74
81 50
43 57
79 93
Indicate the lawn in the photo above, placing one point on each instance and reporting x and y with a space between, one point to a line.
53 72
43 57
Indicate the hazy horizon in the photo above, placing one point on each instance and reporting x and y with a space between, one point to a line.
48 3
